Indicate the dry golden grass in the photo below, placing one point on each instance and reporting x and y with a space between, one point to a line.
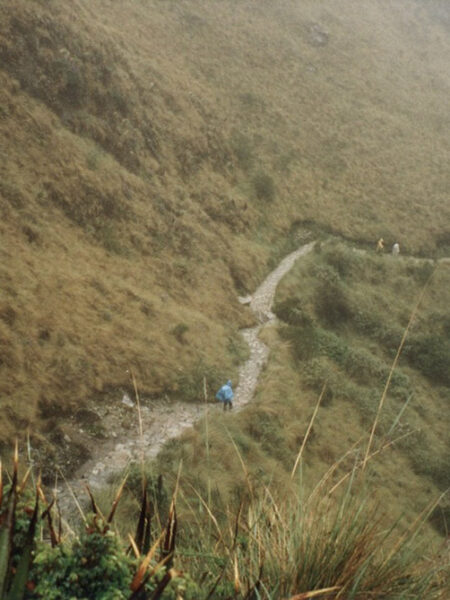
126 198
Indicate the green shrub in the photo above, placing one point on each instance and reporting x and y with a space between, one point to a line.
366 368
190 384
95 566
332 303
333 346
431 355
343 260
390 337
292 312
303 340
367 322
425 461
367 402
318 371
264 186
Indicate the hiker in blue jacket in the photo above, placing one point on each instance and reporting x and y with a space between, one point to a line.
226 395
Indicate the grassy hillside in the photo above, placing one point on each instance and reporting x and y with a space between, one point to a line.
342 316
157 156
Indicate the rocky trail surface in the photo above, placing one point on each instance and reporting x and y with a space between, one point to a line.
130 438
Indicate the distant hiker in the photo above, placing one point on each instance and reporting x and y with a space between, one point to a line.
380 245
226 395
395 249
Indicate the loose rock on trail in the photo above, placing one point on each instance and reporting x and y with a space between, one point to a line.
163 420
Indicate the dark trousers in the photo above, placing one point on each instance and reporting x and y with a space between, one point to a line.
227 403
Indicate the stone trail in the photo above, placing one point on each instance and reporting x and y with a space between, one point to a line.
163 420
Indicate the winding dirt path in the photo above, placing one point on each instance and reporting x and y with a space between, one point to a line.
163 420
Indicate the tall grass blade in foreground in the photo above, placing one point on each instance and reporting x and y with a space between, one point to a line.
281 547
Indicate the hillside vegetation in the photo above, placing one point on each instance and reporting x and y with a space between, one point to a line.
342 315
281 493
269 546
157 157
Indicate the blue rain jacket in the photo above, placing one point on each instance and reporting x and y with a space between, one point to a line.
225 393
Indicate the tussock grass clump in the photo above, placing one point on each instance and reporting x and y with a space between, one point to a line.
273 543
292 544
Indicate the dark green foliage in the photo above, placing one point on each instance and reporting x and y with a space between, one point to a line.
426 461
344 261
292 312
303 340
431 355
366 322
95 564
301 331
359 363
139 481
94 567
374 325
390 338
264 186
332 303
333 346
17 533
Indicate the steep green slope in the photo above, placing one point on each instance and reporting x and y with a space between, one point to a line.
155 154
342 315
